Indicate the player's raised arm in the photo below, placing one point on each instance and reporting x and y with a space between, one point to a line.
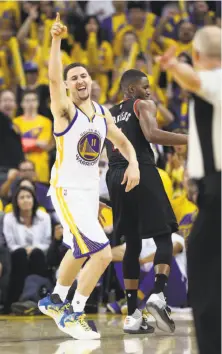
59 99
146 111
114 134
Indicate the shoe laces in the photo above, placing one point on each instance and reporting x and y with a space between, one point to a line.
64 307
83 323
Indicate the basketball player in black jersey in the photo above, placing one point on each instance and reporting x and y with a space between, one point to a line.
145 212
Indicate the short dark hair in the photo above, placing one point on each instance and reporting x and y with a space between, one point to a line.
30 92
130 77
71 66
136 5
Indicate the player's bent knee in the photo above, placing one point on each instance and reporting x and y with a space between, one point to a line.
104 256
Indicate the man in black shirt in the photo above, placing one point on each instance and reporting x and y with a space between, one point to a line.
144 212
11 153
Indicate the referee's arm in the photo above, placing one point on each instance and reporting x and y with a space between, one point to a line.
182 73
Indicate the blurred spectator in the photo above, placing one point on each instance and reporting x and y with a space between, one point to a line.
175 167
185 207
143 22
36 132
31 74
36 50
113 24
26 175
26 169
178 100
93 50
11 153
100 9
129 50
47 10
23 182
199 14
183 42
27 232
74 16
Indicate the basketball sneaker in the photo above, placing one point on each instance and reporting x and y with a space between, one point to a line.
116 306
75 325
137 324
157 307
53 306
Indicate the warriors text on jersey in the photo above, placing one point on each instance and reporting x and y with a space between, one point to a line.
78 151
125 118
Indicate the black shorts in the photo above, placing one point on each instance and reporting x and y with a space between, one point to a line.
145 210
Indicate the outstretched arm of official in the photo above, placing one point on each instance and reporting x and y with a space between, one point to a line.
114 134
182 73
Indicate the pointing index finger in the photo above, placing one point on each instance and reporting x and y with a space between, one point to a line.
57 17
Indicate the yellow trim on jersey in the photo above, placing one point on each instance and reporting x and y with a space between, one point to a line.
70 221
59 158
100 115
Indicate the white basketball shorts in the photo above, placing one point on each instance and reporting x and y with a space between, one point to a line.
78 214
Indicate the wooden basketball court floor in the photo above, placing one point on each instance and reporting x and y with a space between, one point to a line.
39 335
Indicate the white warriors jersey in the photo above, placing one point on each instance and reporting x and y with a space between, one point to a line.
78 151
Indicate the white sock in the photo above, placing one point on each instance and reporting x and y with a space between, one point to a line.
61 290
79 302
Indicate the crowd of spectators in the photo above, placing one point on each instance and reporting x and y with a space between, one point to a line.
109 37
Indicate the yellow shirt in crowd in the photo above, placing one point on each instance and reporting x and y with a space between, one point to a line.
33 130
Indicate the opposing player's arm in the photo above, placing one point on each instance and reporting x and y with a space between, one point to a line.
114 134
146 113
59 99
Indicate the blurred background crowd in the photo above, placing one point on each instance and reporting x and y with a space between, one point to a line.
109 37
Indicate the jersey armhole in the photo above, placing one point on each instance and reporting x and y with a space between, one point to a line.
135 108
102 110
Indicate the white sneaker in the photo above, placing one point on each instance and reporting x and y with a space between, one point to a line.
132 323
137 324
157 307
76 326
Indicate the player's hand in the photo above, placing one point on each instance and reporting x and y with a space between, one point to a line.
12 174
131 176
58 29
33 12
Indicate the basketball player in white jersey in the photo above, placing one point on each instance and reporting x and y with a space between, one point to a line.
80 128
